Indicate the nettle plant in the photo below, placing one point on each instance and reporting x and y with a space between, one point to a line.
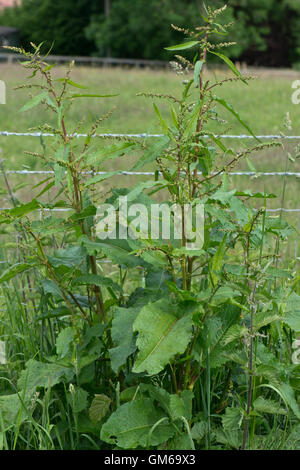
199 355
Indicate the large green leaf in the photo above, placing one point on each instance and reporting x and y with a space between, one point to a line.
286 392
262 319
292 317
181 405
199 430
130 425
122 336
91 333
69 257
223 295
268 406
232 419
228 437
64 341
289 396
44 375
223 196
240 210
182 442
11 409
213 335
99 407
235 332
162 335
78 399
175 405
49 287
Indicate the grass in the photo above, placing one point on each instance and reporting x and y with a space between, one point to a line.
263 103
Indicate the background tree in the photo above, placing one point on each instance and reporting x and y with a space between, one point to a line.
140 29
62 23
267 33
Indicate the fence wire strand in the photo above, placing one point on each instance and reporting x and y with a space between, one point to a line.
151 173
144 135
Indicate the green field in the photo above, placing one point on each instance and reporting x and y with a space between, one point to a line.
262 104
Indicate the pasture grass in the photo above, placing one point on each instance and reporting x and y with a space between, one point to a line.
262 104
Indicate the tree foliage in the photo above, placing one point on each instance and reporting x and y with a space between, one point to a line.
140 29
60 24
266 33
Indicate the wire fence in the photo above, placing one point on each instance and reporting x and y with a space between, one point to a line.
151 173
144 135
